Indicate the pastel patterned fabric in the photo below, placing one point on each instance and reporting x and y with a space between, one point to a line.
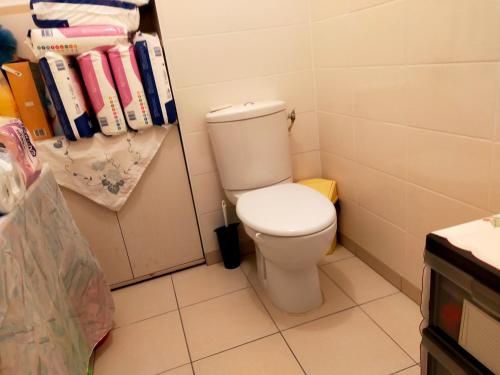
103 169
55 305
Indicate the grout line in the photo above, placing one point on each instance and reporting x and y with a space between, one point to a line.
403 369
388 335
411 65
352 11
348 295
276 325
407 181
144 319
182 325
234 32
236 346
171 369
233 80
216 297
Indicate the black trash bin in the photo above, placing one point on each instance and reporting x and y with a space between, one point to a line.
229 245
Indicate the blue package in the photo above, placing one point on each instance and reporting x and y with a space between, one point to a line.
155 79
65 90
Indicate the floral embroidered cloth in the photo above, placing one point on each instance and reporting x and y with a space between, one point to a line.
103 169
55 305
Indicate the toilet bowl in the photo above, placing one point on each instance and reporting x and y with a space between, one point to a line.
291 225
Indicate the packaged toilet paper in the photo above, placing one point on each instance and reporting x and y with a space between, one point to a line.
154 75
75 40
15 138
128 81
12 188
64 13
65 89
100 87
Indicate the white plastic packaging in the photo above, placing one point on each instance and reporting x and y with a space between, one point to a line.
16 139
154 76
72 41
65 89
64 13
129 85
12 187
100 87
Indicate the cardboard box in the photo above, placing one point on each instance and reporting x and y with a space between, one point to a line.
29 90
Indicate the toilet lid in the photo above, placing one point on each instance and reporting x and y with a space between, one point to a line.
286 210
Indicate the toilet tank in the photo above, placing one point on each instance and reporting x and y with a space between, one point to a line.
250 143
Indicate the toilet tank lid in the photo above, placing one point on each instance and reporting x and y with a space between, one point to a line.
245 111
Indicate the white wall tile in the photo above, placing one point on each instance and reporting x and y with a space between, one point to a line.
428 211
453 30
382 146
383 195
193 103
304 135
306 165
192 17
207 192
321 9
344 171
335 90
454 98
453 165
382 239
225 57
380 93
199 154
337 134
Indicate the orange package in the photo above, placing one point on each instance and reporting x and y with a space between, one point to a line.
28 88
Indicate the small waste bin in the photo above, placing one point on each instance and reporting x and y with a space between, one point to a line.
229 245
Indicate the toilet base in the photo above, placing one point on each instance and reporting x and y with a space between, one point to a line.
293 290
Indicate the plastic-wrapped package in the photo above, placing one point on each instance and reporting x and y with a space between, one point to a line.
64 13
129 84
154 75
100 87
75 40
64 87
17 140
12 187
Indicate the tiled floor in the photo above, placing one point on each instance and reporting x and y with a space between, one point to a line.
209 320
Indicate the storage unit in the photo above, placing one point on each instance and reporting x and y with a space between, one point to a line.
463 332
155 232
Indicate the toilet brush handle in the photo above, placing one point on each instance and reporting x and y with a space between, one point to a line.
224 213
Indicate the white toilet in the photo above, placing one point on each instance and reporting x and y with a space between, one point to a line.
292 225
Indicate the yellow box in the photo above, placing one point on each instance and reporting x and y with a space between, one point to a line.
28 88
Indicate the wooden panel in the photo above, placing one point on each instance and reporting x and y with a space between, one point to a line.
158 220
100 226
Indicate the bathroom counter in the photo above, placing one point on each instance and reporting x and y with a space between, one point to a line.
55 305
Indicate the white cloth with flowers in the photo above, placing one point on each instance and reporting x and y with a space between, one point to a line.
103 169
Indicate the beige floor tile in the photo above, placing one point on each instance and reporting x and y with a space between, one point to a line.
359 281
205 282
400 318
414 370
269 355
147 347
183 370
334 300
345 343
340 253
144 300
225 322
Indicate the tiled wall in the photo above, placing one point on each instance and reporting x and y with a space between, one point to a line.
261 51
408 95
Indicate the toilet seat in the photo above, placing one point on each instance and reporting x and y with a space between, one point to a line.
286 210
